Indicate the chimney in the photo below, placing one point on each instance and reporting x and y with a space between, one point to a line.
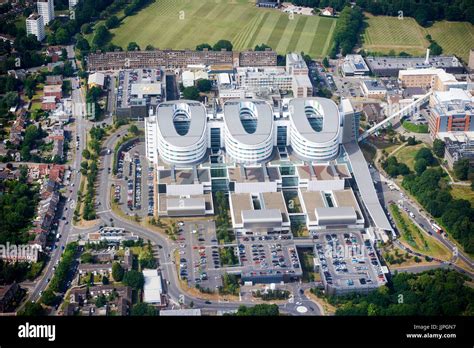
427 59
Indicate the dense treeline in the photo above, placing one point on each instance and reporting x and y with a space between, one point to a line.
413 294
424 11
347 30
456 215
258 310
17 209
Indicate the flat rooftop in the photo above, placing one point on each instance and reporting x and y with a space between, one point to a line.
240 202
346 198
275 200
402 63
247 174
236 110
163 201
193 111
320 107
324 172
183 176
311 201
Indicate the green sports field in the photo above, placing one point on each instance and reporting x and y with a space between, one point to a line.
384 34
180 24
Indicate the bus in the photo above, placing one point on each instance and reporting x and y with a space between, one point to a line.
437 229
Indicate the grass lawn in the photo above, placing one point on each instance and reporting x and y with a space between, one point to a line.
455 37
384 34
463 192
407 155
415 128
413 237
181 24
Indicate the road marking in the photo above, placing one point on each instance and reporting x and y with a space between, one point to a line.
104 211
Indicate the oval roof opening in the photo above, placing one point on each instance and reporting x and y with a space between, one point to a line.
248 117
181 118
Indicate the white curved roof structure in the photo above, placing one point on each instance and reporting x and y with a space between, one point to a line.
315 128
181 127
248 130
236 111
326 108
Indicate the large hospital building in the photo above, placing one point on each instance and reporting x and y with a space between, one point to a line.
280 166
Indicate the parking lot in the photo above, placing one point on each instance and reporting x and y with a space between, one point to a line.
129 192
199 254
346 261
272 256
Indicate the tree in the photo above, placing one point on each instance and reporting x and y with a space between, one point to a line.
191 93
411 141
101 36
32 309
326 62
461 169
149 48
133 46
222 44
117 272
10 99
134 279
204 85
112 22
258 310
143 309
420 166
262 47
86 28
426 154
438 147
134 129
100 301
86 154
48 297
62 36
203 46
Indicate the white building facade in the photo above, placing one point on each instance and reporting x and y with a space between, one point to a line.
35 26
46 9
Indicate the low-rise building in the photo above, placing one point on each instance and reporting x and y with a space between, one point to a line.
96 80
373 89
354 65
153 288
451 111
437 79
458 147
53 91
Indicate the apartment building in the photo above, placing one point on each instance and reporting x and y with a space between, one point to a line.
258 58
172 59
46 9
35 26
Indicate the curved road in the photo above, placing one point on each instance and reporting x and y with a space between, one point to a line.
168 268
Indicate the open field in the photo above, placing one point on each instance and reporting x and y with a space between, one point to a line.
390 33
384 34
463 192
180 24
455 37
407 155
